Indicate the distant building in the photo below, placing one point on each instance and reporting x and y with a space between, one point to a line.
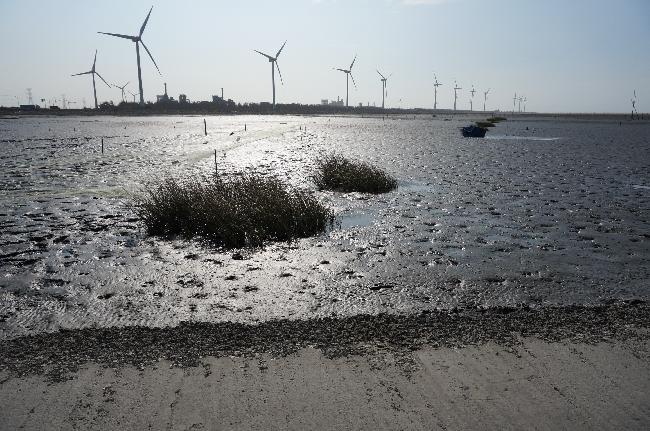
182 98
163 97
29 107
217 99
336 102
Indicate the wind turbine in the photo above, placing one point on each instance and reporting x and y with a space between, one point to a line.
274 64
121 88
436 84
348 73
138 40
520 99
633 100
525 100
93 72
456 88
133 94
384 93
514 103
471 99
485 93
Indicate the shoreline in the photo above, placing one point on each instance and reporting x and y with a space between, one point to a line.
60 353
559 368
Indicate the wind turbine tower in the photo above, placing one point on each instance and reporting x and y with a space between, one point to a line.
456 88
384 93
485 93
520 99
274 65
514 103
92 72
471 99
138 40
436 84
348 74
121 88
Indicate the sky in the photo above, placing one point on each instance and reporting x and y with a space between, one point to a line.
562 55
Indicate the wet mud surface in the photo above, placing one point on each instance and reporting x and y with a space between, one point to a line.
544 213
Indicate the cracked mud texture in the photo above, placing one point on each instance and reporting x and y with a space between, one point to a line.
544 212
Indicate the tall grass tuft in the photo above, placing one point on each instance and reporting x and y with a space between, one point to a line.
484 124
245 211
335 172
496 119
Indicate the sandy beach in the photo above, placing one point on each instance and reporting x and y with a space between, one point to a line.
573 368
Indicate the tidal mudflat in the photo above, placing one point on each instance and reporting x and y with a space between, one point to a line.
544 212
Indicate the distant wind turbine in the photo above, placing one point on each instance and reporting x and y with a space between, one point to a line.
456 88
436 84
520 99
514 103
471 99
133 94
121 88
274 64
384 93
93 72
633 100
485 93
348 73
138 40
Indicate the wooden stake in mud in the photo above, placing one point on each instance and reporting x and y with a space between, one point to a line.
205 127
215 162
102 145
244 127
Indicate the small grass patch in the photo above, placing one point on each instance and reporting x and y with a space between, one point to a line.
496 119
335 172
244 211
484 124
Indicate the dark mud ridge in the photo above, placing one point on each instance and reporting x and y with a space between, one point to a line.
56 354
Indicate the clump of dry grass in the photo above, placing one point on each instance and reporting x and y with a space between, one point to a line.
243 211
335 172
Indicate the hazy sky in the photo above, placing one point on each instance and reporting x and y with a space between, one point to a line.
563 55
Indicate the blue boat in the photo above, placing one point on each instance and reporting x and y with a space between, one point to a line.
474 131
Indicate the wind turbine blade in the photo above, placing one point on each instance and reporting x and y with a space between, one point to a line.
276 65
123 36
342 70
278 54
151 56
95 60
382 76
355 84
389 75
265 55
355 59
103 79
83 73
144 24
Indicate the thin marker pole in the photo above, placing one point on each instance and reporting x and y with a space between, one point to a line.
205 127
216 172
102 145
